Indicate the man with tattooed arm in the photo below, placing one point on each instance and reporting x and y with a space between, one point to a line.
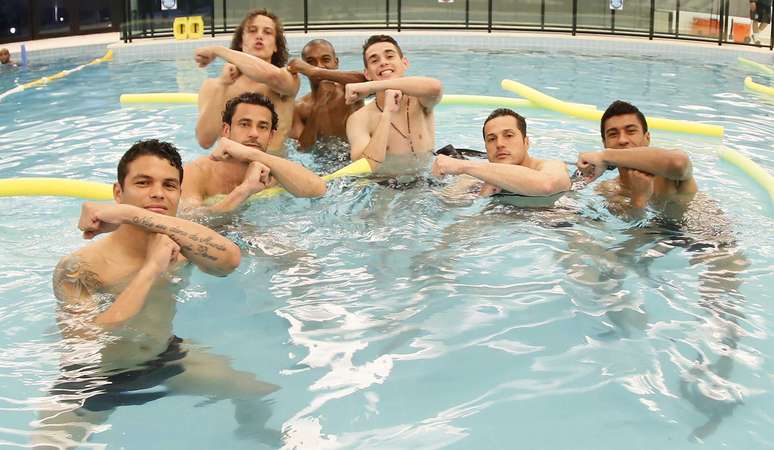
117 296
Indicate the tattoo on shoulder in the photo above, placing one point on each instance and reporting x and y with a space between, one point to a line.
73 272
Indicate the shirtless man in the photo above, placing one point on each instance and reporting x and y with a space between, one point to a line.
5 56
645 173
688 221
323 112
255 63
118 295
399 124
510 166
239 166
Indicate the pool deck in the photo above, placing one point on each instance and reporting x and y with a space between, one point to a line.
454 40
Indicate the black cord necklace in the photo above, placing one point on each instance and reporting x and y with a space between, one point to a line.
408 123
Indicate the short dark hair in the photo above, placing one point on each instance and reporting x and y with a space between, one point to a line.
251 98
521 122
317 42
280 57
619 108
154 147
375 39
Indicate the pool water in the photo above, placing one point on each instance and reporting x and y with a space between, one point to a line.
390 318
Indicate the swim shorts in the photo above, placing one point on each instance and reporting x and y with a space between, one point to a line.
105 391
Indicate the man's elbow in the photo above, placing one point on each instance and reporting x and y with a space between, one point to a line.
555 185
277 81
679 166
319 189
230 263
438 88
204 139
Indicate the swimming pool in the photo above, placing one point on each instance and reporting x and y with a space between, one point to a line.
390 319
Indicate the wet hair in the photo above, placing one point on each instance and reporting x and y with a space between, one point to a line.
280 57
154 147
521 122
377 38
619 108
317 42
250 98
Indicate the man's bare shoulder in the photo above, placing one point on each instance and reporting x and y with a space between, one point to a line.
208 86
195 171
550 164
304 105
365 113
80 271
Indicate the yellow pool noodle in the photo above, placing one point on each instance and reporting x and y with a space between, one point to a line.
751 169
756 65
160 97
45 80
755 87
450 99
91 190
548 102
357 168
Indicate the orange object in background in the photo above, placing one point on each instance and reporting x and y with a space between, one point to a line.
740 32
705 27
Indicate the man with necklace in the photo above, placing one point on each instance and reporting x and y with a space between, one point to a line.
396 131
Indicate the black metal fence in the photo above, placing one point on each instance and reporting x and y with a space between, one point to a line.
720 21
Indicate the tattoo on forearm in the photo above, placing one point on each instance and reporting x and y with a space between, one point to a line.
204 244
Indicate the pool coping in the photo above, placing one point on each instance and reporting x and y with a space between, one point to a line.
351 40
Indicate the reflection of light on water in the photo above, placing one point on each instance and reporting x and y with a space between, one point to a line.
343 378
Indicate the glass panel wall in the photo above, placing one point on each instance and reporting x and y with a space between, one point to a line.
740 26
594 15
635 16
433 12
94 14
14 20
149 18
477 12
516 13
362 12
699 18
688 19
665 17
290 12
53 17
558 13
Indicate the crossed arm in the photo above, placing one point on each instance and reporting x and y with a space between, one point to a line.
295 178
211 252
212 95
279 80
321 74
257 177
428 91
369 145
671 164
77 278
550 179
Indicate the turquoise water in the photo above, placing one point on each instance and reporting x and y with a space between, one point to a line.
391 319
